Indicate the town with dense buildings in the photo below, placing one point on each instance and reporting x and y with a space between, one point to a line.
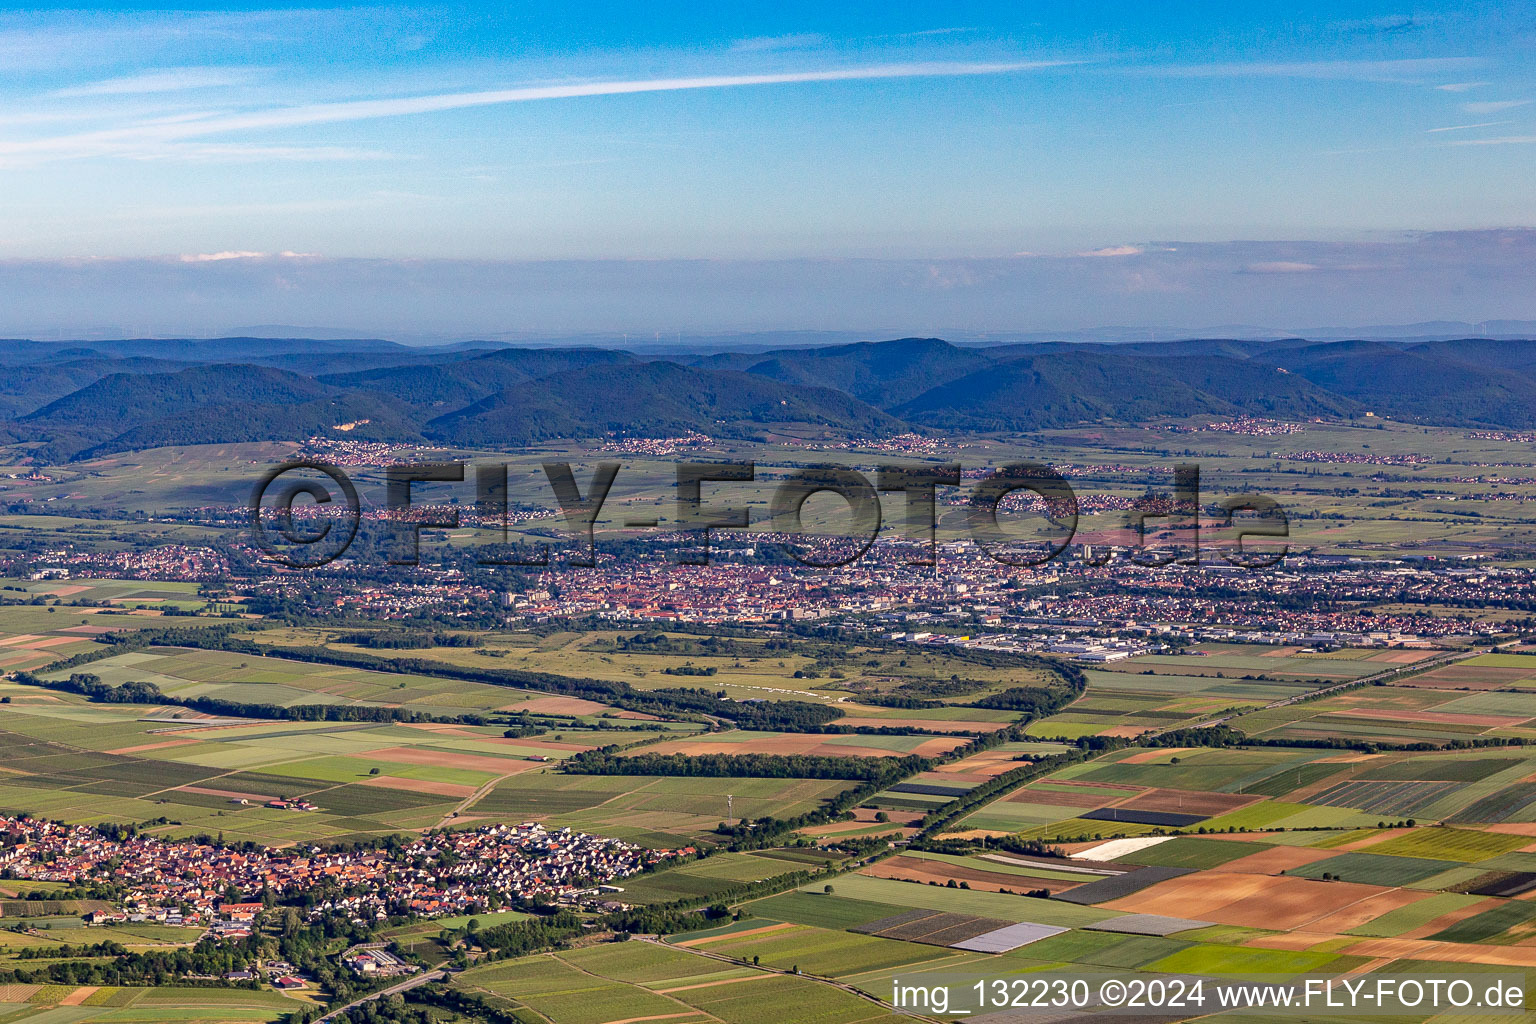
439 874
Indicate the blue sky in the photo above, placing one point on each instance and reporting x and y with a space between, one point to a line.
623 132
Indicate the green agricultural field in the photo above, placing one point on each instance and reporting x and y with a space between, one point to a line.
1374 869
915 896
1111 684
67 1004
1365 727
1057 727
1091 784
1515 705
702 879
186 673
652 810
1522 661
1516 802
35 636
1509 862
584 987
1077 947
822 952
786 1000
1441 769
1415 915
1289 779
1071 830
82 762
138 595
1193 852
421 937
1011 816
1277 814
1507 922
1206 959
1454 844
1128 951
819 909
1218 771
565 993
648 964
745 668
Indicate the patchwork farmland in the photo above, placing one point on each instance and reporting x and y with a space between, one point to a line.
1092 838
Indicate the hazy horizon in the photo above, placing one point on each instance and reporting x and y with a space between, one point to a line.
458 170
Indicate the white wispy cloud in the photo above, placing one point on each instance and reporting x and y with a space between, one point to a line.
1406 70
95 40
1494 106
762 44
924 32
163 80
1502 140
219 257
215 152
141 136
1465 127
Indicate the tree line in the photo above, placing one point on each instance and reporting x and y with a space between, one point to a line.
751 766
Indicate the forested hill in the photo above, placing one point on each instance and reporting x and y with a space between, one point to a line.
75 400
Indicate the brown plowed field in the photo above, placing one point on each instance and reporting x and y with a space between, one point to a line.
1404 657
1183 801
1153 755
1453 952
1298 941
418 786
990 763
1278 903
707 939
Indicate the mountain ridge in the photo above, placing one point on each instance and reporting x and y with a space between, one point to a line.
81 399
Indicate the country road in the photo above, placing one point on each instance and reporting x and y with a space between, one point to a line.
413 981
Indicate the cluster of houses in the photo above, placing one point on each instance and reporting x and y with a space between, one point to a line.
280 974
167 561
451 872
